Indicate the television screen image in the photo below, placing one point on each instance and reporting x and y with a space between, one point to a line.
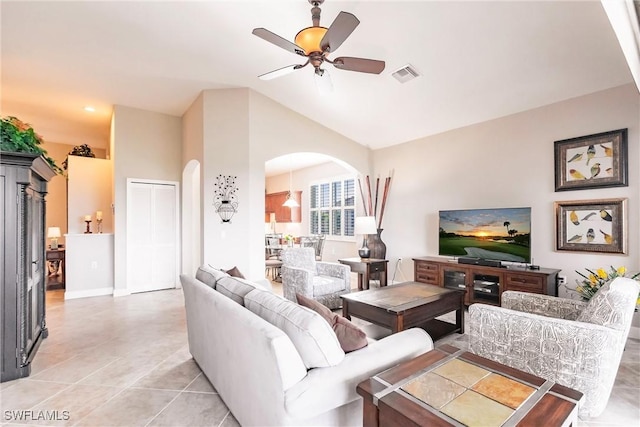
502 234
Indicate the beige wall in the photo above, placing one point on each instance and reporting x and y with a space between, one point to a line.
146 145
243 129
89 191
57 188
508 162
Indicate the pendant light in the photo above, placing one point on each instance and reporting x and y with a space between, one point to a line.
290 202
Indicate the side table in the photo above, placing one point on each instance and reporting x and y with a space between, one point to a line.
451 387
55 261
365 267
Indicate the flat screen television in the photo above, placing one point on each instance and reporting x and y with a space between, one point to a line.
502 234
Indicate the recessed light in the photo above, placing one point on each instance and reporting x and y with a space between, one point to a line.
89 109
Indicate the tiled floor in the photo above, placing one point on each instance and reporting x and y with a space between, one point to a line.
125 362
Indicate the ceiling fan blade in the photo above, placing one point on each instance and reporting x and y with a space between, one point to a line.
340 29
280 72
361 65
267 35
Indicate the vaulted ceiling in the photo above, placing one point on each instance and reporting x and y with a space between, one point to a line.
477 61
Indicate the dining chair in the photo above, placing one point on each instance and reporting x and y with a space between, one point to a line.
272 251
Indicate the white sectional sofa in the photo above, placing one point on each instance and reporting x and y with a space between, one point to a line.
276 363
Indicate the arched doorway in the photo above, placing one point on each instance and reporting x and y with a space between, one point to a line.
298 172
191 222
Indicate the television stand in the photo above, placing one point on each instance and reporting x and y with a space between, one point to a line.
482 283
480 261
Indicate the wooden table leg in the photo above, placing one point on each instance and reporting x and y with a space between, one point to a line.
383 278
345 309
370 414
398 324
367 278
360 284
460 317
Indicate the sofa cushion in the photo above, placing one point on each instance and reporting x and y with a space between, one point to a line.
236 288
310 333
349 335
604 307
209 275
235 273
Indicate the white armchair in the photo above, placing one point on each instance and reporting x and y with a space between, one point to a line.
573 343
322 281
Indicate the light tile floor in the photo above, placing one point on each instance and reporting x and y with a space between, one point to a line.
125 362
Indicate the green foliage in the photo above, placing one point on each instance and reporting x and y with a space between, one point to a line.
79 150
19 137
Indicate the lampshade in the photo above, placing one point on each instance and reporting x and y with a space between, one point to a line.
366 225
53 232
290 202
309 39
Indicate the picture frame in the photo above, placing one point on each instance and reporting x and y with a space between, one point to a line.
598 226
593 161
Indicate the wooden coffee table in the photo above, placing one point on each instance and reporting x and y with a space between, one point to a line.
452 387
407 305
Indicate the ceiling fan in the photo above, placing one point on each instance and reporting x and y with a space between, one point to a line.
316 43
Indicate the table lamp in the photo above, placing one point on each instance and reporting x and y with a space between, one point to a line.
365 225
53 233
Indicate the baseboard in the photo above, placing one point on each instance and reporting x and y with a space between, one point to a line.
634 332
88 293
121 293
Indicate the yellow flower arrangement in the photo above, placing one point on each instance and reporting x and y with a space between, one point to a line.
597 279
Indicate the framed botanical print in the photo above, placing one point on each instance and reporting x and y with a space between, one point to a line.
592 161
592 226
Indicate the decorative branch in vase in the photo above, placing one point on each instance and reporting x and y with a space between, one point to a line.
378 249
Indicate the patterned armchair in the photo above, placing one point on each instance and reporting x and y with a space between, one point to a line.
573 343
322 281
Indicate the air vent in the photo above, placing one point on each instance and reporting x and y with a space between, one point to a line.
405 73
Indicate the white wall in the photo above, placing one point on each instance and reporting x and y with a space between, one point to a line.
192 206
89 270
508 162
146 145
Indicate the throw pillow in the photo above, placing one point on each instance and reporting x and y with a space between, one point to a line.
308 331
235 273
349 335
209 275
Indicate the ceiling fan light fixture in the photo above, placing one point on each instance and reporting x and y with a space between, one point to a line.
309 39
323 81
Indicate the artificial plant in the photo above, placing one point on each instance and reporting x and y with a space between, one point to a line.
79 150
19 137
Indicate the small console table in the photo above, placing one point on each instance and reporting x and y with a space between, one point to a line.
365 267
55 268
484 284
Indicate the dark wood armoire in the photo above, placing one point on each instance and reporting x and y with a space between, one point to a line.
23 186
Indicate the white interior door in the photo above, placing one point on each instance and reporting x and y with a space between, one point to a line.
152 235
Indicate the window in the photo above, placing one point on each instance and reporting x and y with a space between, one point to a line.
332 208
